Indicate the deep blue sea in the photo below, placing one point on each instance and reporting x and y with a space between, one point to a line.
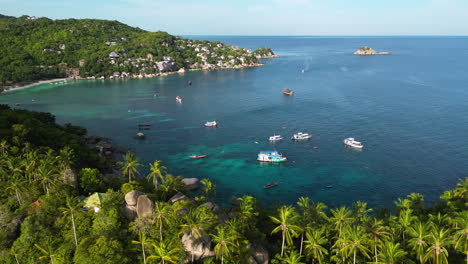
409 109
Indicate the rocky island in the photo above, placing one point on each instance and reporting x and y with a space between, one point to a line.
38 49
366 51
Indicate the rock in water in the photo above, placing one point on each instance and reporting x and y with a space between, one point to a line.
131 198
191 183
365 51
145 206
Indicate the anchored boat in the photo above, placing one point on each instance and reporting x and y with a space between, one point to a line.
269 185
178 99
271 156
353 143
275 138
301 136
198 156
211 123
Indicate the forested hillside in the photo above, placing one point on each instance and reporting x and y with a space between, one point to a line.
41 48
47 217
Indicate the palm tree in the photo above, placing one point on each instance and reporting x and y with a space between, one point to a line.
47 174
48 253
360 211
292 258
247 211
437 251
340 217
304 206
405 219
157 170
317 211
314 244
286 220
209 188
461 233
357 241
224 240
4 146
71 210
163 216
130 165
379 232
391 253
17 185
165 252
419 233
143 240
196 221
65 158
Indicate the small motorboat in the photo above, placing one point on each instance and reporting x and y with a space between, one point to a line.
189 82
275 138
287 91
271 156
140 135
178 99
301 136
269 185
353 143
328 186
211 123
198 156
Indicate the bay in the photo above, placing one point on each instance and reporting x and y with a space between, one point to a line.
409 109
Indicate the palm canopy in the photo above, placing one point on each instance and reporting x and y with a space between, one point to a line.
287 217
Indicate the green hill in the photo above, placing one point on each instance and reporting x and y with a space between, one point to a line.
41 48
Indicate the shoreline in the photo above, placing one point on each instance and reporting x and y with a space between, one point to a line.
34 84
31 85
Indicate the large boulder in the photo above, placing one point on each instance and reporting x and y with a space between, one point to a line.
129 212
144 206
259 253
364 51
191 183
131 198
198 246
178 197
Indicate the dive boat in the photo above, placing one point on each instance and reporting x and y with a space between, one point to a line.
197 156
353 143
269 185
275 138
301 136
271 156
287 91
140 135
211 123
178 99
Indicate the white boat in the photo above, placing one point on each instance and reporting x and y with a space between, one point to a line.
178 99
211 123
271 156
275 138
301 136
353 143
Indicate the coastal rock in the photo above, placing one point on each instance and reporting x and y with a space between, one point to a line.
198 246
191 183
131 198
264 53
178 197
144 206
259 253
181 70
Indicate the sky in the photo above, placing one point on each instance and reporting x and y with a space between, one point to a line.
263 17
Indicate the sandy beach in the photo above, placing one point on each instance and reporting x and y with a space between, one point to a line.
16 88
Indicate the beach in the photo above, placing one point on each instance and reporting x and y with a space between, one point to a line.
21 87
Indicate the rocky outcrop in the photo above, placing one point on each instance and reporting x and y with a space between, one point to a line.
129 212
259 253
264 53
144 206
287 91
178 197
101 144
217 210
191 183
366 51
198 246
131 198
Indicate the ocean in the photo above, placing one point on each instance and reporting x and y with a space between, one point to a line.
409 109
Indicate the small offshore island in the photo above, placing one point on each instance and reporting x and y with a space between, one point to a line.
366 51
38 49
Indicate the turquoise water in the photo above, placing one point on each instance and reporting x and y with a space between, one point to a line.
410 110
